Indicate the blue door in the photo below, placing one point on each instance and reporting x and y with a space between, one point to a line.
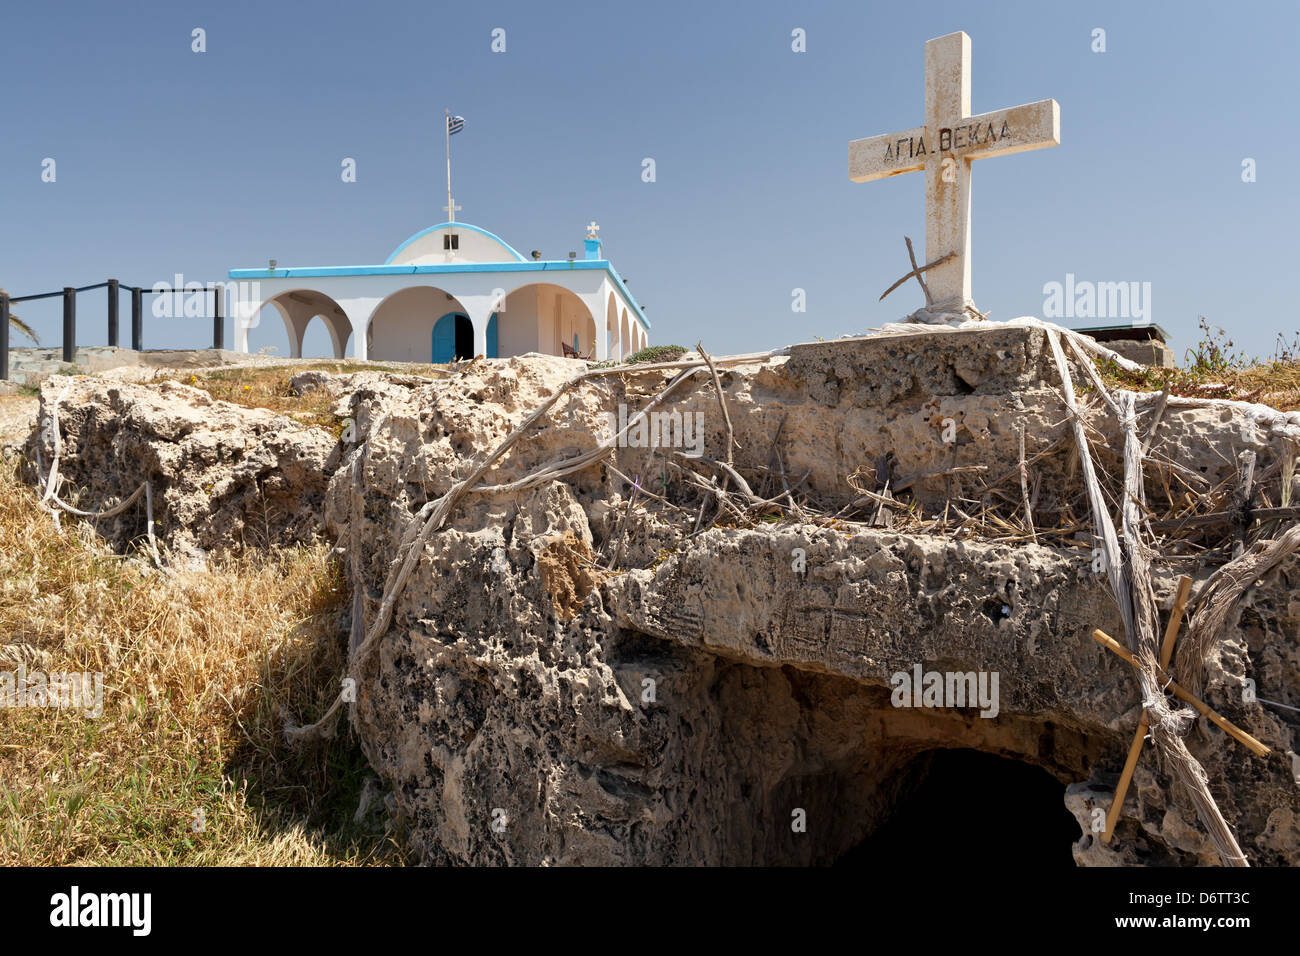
444 339
453 338
492 337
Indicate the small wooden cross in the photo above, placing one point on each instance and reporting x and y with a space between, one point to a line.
945 147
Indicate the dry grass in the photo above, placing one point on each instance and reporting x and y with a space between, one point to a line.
1275 383
261 386
1213 368
269 387
197 667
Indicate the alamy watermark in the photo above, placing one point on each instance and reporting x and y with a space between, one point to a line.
946 689
179 299
74 908
62 690
672 429
1074 299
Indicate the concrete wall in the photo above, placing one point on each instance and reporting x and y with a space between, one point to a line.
1146 351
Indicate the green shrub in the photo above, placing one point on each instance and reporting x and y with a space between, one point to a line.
656 353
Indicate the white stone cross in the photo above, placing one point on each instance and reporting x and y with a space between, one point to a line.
592 229
945 147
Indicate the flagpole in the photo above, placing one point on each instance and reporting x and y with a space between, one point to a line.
451 208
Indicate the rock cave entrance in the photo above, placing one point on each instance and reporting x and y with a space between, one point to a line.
975 805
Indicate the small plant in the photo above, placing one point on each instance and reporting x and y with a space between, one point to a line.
1213 370
656 353
1287 353
1212 354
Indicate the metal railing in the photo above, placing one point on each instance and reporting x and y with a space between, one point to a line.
69 294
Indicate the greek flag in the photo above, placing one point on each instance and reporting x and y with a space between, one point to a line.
455 124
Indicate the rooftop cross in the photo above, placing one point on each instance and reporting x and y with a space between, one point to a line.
592 229
945 147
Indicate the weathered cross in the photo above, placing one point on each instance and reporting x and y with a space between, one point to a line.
945 147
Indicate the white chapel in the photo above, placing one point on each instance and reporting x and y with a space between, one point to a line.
452 291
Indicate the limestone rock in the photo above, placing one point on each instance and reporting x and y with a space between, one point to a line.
529 705
224 477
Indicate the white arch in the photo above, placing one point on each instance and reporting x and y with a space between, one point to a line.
297 307
338 347
405 318
543 317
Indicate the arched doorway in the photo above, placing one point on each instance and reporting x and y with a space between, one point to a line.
546 318
420 324
493 348
452 338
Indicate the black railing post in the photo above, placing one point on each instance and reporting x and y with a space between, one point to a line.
112 313
4 337
218 323
69 324
137 319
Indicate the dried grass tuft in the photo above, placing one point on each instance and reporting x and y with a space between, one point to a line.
197 666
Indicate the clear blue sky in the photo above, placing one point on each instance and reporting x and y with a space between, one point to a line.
170 161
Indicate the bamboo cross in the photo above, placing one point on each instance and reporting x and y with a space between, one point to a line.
1139 737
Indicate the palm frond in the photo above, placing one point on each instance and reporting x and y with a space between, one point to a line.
24 328
20 325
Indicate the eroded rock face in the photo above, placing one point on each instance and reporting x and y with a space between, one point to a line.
223 477
528 705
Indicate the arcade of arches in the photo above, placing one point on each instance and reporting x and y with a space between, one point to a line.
424 323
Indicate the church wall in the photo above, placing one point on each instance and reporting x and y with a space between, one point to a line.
517 324
562 315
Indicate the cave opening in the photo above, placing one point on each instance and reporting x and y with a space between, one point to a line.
1004 812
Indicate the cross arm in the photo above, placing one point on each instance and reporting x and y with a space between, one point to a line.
878 157
1031 126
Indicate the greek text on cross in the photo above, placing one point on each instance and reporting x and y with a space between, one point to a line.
945 147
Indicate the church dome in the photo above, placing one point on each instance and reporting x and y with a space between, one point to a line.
453 242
